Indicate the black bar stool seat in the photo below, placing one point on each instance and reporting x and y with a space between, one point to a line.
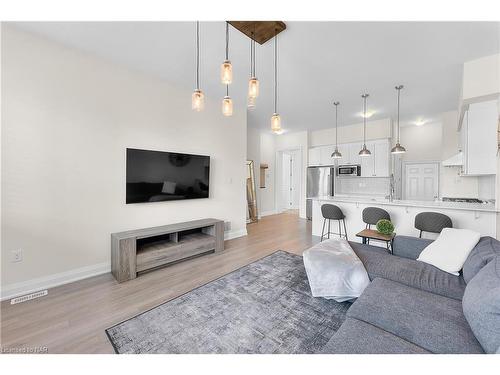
433 222
371 216
332 212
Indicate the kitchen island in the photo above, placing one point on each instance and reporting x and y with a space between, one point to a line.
475 216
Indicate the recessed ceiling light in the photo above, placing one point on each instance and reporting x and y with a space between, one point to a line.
368 114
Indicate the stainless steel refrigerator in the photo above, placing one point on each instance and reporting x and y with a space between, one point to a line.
320 183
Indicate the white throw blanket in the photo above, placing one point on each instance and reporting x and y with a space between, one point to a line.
335 271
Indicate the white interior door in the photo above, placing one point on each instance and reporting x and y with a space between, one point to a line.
286 181
290 183
421 181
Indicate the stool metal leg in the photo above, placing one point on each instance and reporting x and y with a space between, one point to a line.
345 230
329 228
323 230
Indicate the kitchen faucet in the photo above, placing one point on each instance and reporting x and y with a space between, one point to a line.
391 188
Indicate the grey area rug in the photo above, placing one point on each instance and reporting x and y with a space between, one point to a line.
263 307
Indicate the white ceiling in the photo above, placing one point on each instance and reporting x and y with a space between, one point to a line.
319 62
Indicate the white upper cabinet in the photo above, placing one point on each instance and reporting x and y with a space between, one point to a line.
354 149
326 155
382 157
368 162
375 165
479 138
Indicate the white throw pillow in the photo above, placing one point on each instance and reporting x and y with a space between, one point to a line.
168 187
450 250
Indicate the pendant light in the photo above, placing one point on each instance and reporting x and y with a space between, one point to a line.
227 104
275 118
336 154
226 75
198 98
253 83
398 149
226 69
364 151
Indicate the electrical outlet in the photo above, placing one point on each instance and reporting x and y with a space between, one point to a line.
16 256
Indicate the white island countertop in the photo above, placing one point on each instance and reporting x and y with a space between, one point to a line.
483 207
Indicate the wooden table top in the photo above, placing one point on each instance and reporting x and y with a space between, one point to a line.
373 234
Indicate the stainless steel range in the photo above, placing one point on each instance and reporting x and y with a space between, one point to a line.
463 200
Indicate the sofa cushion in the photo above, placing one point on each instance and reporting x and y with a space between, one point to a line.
358 337
485 251
451 249
409 247
428 320
379 263
481 305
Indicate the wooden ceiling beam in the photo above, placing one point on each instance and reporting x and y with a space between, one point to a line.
264 30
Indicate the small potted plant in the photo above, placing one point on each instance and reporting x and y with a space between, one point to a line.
385 226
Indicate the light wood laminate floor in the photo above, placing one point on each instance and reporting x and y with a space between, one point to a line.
73 317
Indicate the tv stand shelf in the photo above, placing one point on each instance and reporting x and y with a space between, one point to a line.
141 250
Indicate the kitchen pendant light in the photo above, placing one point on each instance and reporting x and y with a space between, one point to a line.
226 69
253 83
227 104
198 98
364 151
398 149
275 118
336 154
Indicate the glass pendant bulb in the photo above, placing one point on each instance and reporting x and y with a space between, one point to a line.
226 72
251 102
253 87
197 100
276 123
227 106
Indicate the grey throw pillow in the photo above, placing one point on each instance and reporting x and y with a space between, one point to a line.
484 252
481 305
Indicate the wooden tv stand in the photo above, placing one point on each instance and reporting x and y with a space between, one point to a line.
136 251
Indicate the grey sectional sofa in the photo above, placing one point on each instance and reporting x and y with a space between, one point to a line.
413 307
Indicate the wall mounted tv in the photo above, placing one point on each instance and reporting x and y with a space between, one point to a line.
156 176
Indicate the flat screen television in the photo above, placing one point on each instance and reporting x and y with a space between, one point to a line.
156 176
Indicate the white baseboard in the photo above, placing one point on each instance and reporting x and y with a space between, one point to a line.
51 281
267 213
235 234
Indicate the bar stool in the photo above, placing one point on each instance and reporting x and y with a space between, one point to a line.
371 216
433 222
332 212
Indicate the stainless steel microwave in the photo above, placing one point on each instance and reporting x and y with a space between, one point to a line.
348 170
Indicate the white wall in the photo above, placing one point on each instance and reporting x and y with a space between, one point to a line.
67 119
376 129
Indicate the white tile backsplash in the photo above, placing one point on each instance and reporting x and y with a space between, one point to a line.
377 186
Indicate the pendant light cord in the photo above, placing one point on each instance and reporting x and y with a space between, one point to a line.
227 40
275 72
254 74
197 55
364 118
399 93
336 124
